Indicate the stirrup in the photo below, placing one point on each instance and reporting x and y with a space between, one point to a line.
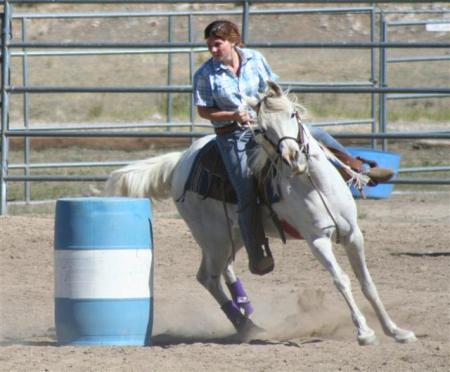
263 262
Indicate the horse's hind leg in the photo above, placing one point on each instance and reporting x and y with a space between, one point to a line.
215 258
355 252
208 275
322 249
238 293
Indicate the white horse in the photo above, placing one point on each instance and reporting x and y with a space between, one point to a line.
314 200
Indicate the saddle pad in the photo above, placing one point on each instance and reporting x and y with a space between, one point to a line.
208 176
209 179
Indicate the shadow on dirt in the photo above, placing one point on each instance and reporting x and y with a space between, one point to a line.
21 342
166 340
420 254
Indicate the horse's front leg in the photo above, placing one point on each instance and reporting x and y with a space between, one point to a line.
322 250
355 251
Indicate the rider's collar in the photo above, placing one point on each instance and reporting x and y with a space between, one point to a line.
243 56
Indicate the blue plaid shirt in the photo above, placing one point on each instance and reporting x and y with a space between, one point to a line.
216 86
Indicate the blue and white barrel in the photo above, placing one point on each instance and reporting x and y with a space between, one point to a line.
103 271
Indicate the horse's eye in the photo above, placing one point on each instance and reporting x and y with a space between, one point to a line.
292 115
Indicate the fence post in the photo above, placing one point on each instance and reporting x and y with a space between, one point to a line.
6 37
191 72
383 81
26 114
245 21
169 108
373 100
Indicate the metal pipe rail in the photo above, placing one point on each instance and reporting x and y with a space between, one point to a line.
418 22
114 14
416 181
188 89
418 59
124 126
189 125
424 169
57 133
79 164
222 12
57 178
218 1
414 96
91 52
49 178
125 162
274 44
395 135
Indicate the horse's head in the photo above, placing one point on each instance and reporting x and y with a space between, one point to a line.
277 127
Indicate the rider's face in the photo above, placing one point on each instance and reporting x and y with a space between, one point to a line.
221 50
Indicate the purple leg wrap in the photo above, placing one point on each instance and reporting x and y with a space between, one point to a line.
234 314
240 297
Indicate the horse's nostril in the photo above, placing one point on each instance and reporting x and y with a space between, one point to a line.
294 157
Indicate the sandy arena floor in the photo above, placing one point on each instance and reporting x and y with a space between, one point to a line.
309 327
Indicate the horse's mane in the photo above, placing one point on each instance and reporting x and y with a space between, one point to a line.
272 103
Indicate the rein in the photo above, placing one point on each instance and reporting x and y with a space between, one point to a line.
321 195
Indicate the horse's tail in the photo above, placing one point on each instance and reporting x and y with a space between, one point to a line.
145 178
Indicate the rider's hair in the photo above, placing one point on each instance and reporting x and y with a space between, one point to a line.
225 30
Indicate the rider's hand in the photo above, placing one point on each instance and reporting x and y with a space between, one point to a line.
241 116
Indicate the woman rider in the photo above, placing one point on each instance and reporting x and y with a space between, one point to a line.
219 87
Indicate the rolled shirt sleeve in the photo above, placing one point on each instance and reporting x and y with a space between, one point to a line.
202 91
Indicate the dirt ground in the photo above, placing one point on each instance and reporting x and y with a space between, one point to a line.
308 324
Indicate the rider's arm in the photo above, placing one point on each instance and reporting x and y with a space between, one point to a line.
215 114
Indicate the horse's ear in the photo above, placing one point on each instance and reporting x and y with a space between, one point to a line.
274 88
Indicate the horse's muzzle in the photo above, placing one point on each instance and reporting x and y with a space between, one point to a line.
296 160
299 169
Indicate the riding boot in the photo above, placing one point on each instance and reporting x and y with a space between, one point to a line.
260 258
259 255
375 173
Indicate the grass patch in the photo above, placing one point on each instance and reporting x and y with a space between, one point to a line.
437 109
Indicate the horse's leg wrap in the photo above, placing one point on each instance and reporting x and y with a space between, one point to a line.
234 314
240 297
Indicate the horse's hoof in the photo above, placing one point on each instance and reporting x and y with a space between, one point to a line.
249 331
370 339
404 336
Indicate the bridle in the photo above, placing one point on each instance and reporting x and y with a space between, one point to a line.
300 139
